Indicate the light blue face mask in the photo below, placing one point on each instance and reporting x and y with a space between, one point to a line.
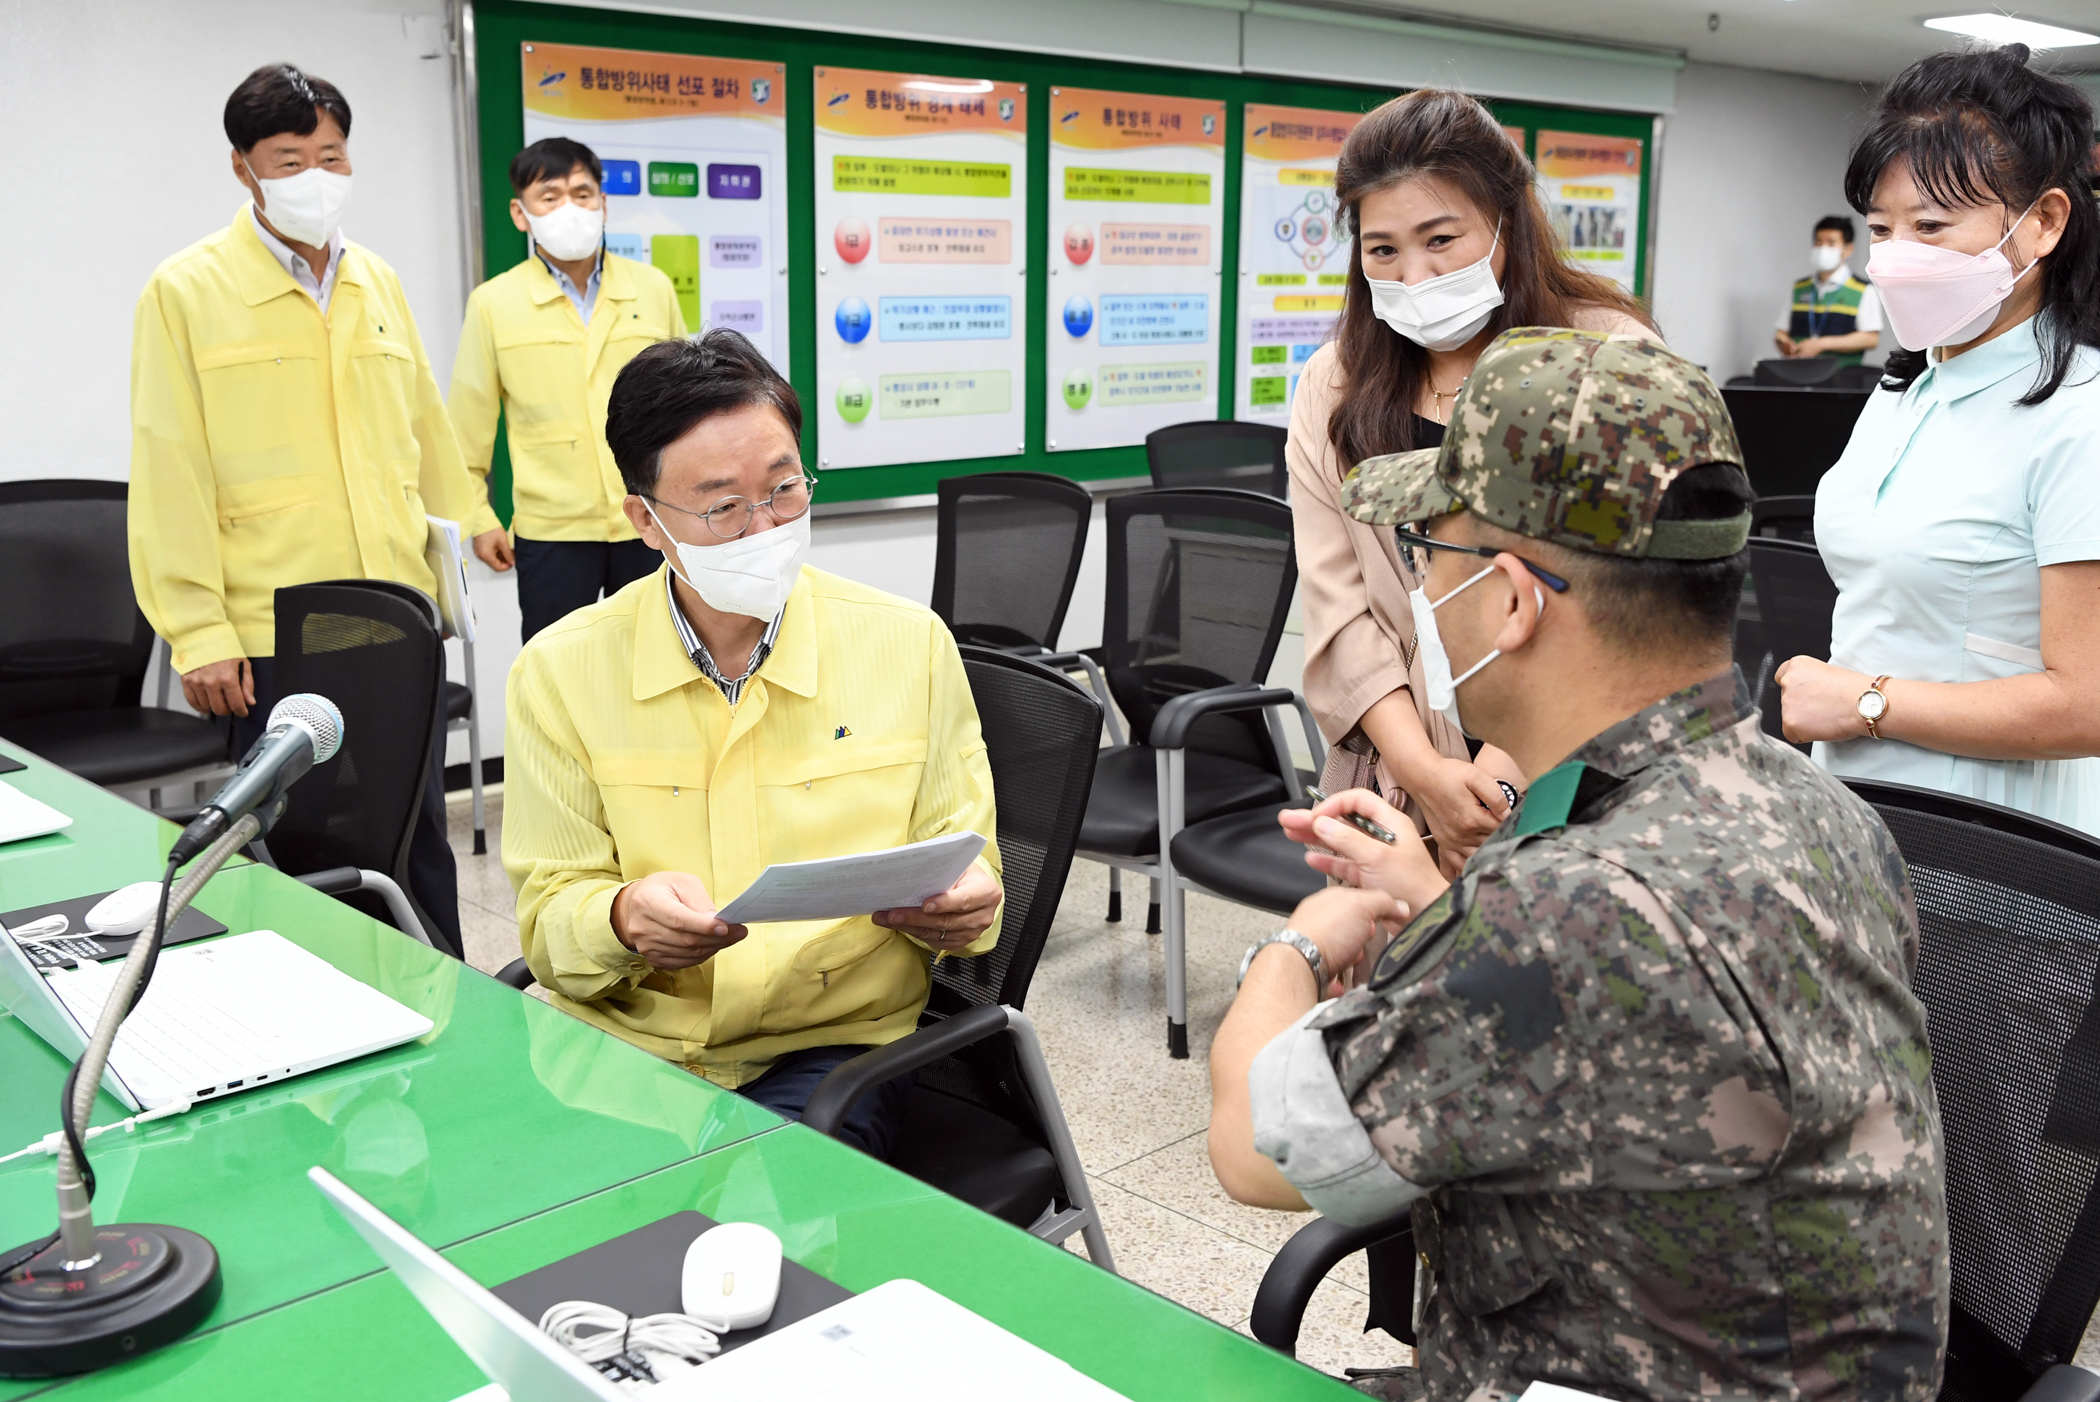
1436 663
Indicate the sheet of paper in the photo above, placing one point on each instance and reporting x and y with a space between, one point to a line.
832 888
446 556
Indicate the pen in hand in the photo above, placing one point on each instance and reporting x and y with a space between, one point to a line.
1356 820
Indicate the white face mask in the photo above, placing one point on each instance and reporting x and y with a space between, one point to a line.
568 231
1441 313
751 575
1828 258
304 208
1436 663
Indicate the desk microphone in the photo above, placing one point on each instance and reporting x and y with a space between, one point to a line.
305 730
90 1295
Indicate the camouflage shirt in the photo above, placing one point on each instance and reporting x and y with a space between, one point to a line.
1656 1061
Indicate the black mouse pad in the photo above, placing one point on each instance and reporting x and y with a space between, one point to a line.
638 1273
191 924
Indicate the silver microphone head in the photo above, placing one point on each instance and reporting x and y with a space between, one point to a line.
317 716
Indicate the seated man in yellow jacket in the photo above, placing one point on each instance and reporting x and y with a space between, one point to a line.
541 346
733 710
285 428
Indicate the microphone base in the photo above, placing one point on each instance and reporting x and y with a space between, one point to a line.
153 1285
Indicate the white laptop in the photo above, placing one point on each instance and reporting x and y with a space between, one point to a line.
899 1342
219 1016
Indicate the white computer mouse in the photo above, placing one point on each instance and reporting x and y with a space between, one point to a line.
732 1276
125 911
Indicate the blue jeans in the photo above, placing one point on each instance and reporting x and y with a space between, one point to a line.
870 1126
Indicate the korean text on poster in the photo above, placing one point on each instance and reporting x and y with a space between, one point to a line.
1137 198
1591 186
922 303
1294 251
695 156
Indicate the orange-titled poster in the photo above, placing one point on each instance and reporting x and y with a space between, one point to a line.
1136 250
922 333
1294 252
1592 189
695 157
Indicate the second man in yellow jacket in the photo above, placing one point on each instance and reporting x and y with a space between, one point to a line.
541 346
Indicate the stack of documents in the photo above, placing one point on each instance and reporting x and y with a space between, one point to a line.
833 888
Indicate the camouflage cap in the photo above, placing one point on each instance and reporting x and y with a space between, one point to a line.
1570 437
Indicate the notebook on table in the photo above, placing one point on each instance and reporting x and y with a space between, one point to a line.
218 1017
899 1342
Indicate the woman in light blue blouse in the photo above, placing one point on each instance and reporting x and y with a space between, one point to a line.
1962 524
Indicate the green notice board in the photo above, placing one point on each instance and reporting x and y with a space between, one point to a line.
503 25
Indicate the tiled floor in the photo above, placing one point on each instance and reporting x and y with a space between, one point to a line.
1138 1117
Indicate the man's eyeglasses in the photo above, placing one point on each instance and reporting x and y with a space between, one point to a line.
1415 549
731 516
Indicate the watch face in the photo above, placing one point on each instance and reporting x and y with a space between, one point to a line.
1872 705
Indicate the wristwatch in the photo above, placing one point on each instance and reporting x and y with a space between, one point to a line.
1296 941
1874 705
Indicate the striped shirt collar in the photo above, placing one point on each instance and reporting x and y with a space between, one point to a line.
732 691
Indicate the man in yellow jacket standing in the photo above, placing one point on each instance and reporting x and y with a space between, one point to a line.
286 427
541 346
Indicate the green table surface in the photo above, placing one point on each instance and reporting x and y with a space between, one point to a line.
511 1137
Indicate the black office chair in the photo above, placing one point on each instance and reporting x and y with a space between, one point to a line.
983 1122
1793 599
1199 583
373 648
1814 373
1006 557
1219 453
1784 518
2009 972
74 647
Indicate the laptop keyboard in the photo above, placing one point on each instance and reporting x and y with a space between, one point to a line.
191 1041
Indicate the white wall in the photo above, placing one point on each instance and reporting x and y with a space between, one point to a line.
1750 161
125 97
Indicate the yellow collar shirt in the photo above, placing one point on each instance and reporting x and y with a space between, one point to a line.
857 733
527 356
273 443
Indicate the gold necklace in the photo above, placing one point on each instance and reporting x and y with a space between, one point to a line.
1438 396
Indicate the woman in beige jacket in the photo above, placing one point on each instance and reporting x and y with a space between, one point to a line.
1452 248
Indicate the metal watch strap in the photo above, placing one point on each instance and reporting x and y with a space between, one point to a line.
1874 722
1291 937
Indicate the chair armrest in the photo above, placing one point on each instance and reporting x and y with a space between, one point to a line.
340 881
517 973
2064 1383
336 881
1313 1250
847 1083
1085 660
1170 728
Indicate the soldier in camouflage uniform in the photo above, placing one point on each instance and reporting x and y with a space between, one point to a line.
1650 1075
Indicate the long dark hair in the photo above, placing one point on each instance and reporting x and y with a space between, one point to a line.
1448 135
1982 127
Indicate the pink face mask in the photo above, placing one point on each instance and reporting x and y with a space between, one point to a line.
1938 297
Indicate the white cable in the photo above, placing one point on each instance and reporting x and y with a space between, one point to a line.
653 1336
50 1142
